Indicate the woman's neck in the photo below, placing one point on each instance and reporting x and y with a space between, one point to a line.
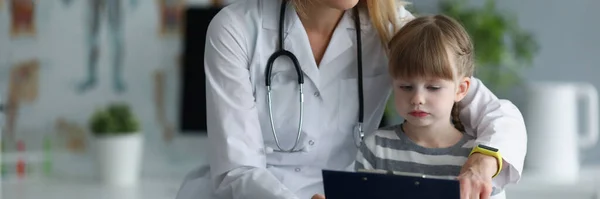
320 19
437 135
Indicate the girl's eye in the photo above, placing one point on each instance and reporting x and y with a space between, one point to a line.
406 88
433 88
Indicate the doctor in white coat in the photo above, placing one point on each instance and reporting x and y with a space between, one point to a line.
243 154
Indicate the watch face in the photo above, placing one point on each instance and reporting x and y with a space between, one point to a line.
488 148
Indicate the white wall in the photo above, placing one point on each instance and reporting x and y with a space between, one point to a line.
568 32
60 46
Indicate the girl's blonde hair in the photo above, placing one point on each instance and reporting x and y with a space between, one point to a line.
432 47
382 13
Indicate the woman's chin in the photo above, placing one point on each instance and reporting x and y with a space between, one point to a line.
341 4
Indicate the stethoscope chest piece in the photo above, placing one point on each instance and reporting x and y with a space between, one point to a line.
358 134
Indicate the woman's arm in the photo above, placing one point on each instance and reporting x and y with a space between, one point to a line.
497 123
237 156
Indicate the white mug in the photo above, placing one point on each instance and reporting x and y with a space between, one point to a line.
554 136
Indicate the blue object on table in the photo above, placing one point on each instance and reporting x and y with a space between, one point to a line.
344 185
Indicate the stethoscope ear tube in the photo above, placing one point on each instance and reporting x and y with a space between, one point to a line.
269 102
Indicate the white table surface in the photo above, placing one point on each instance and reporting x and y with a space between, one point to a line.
166 188
89 189
530 187
162 181
75 177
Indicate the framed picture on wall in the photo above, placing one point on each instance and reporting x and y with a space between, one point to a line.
170 14
24 78
22 89
22 14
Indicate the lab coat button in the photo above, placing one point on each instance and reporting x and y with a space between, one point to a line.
310 142
297 169
317 94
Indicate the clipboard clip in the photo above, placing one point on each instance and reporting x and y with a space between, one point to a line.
418 175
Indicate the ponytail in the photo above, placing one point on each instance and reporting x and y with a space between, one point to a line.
456 119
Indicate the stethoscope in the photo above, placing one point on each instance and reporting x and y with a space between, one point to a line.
358 129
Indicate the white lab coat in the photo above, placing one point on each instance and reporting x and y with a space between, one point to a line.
239 41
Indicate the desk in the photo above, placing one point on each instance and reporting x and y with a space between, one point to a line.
167 187
529 187
75 178
163 181
89 189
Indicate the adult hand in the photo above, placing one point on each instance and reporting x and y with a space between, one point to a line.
476 177
318 196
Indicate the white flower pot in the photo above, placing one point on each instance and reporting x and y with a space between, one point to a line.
119 158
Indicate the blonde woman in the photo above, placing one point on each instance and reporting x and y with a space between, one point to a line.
264 142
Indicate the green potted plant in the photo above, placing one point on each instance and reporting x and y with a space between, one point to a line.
502 47
119 143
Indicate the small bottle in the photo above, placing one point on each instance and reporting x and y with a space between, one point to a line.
21 162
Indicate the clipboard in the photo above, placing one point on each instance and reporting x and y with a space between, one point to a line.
387 185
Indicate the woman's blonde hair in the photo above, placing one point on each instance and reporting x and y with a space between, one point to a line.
432 47
382 13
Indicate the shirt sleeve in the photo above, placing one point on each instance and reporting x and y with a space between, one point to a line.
237 158
404 16
497 123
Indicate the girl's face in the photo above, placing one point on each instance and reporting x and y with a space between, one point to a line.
426 101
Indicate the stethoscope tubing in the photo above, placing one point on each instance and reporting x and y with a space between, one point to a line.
282 52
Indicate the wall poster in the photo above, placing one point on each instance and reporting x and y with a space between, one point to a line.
22 18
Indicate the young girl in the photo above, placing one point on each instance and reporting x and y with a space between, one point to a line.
431 62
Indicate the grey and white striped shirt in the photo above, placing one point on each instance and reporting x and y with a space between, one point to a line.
389 149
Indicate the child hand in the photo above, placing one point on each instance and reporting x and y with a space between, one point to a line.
476 177
474 186
318 196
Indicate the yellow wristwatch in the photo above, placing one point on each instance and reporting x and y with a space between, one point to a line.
490 151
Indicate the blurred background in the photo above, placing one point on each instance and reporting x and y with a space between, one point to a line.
67 65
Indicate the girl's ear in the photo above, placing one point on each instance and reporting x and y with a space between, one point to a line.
463 88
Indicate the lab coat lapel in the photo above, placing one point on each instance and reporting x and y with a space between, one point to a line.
297 42
340 41
338 56
341 51
295 38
